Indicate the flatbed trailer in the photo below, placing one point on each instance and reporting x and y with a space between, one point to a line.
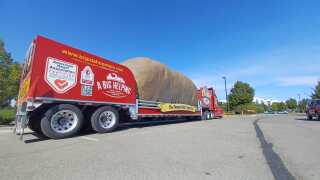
64 89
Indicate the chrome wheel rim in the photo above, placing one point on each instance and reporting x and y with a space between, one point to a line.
64 121
107 119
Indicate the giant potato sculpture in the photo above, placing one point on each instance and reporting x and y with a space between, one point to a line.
156 82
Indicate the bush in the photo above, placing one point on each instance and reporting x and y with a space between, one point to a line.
7 115
229 113
250 108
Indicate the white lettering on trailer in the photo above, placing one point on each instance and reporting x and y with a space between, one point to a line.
114 86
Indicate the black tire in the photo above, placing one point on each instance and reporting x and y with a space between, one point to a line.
46 125
205 115
34 125
212 115
208 115
98 120
309 117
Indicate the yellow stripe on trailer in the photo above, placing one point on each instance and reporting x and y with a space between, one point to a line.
167 107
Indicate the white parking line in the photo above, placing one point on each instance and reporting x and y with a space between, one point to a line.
89 138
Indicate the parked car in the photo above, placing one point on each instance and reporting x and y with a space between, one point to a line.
269 112
282 112
313 109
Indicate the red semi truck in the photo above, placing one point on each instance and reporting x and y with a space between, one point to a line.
64 89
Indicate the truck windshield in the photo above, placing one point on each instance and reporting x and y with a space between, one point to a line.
314 102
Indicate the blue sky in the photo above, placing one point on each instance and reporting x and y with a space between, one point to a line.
273 45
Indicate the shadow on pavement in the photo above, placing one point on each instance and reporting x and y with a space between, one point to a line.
38 137
122 127
143 124
274 161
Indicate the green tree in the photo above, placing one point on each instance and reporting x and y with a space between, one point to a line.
278 106
240 95
224 106
282 106
275 106
9 76
251 108
5 57
292 104
260 107
316 92
302 105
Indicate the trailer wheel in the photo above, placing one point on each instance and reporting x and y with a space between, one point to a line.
205 115
105 119
212 115
62 121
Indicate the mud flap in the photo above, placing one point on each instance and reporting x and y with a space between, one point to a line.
21 122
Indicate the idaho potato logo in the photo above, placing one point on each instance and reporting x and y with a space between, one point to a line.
61 76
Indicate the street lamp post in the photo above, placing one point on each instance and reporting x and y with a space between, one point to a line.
299 99
225 88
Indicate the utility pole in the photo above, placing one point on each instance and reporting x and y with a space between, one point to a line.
225 88
299 102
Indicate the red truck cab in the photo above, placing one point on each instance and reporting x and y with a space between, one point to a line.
209 103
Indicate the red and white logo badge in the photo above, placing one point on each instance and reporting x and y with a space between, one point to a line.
60 75
114 86
87 76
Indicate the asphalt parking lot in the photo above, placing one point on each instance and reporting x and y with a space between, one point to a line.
241 147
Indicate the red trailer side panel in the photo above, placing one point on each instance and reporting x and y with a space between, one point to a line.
65 73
